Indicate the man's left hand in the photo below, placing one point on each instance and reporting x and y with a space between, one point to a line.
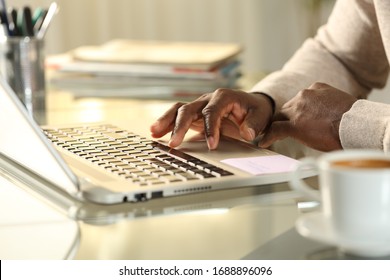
312 117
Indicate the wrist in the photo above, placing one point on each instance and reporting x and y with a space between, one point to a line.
269 99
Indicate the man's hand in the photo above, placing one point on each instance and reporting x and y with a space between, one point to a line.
312 117
229 112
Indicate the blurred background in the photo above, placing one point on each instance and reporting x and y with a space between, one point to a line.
269 30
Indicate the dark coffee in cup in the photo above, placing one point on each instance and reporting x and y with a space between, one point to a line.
362 163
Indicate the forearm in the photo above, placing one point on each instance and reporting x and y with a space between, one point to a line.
347 53
311 63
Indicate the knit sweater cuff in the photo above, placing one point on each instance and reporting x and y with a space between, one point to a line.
365 126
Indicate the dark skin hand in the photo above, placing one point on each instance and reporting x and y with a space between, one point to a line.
311 117
229 112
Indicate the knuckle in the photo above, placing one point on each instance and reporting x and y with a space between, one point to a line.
184 108
305 92
220 91
318 85
178 105
301 93
204 96
209 110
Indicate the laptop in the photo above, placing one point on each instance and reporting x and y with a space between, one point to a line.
105 164
104 214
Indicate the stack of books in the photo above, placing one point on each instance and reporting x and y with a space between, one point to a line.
148 68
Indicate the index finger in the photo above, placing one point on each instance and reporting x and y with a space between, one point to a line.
165 123
186 115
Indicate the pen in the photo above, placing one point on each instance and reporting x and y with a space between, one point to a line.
5 20
3 30
13 23
39 16
27 28
47 20
38 13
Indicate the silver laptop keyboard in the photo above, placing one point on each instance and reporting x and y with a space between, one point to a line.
130 156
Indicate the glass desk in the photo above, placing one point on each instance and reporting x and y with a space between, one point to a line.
242 223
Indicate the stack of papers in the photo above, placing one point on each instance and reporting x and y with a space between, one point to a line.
157 67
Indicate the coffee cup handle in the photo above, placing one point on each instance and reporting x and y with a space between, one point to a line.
298 184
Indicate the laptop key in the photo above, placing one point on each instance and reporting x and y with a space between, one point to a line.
134 158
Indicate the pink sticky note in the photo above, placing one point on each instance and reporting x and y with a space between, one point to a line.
263 165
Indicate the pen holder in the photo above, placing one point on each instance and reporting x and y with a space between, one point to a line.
22 65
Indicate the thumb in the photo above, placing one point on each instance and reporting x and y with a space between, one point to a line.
253 125
278 130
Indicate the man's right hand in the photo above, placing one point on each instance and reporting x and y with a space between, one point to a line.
228 112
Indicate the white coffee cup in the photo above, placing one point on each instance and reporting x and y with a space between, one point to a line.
354 191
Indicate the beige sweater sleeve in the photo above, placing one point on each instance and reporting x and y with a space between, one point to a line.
347 53
366 125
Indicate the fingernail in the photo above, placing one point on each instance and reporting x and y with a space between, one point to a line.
262 144
251 133
211 142
155 125
171 144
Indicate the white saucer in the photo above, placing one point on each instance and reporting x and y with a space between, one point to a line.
318 227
